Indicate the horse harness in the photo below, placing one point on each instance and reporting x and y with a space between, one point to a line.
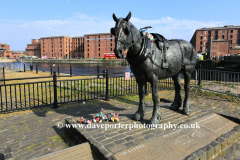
147 51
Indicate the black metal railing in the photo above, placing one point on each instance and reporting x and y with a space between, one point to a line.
53 90
225 82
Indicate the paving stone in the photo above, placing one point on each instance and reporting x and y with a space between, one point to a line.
149 136
200 154
237 153
130 144
228 156
209 151
117 148
7 150
109 145
139 140
101 138
98 135
26 141
25 155
120 141
190 157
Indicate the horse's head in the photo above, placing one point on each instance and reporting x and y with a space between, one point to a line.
121 31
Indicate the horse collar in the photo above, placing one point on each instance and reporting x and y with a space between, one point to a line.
143 55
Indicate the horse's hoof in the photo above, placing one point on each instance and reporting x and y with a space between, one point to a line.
138 117
185 111
174 107
154 120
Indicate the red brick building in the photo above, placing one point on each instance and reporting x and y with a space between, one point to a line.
34 49
77 47
5 50
222 37
5 46
56 47
87 46
97 44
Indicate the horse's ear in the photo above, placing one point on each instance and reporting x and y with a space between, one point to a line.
128 16
115 18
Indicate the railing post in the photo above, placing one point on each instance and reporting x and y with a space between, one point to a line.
196 77
107 95
4 75
70 71
97 71
24 68
36 69
199 78
55 104
51 69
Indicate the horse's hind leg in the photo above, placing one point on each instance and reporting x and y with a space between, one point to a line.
178 99
187 75
141 109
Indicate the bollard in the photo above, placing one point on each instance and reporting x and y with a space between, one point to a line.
3 76
70 71
58 70
24 68
97 71
199 78
31 67
51 69
36 69
104 73
107 95
55 104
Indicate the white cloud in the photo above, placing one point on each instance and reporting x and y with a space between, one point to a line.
19 33
175 28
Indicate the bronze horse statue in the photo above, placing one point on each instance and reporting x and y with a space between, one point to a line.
153 60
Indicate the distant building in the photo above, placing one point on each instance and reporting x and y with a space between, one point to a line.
97 44
5 50
225 40
88 46
34 49
56 47
77 47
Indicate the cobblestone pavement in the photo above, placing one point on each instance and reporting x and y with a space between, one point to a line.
32 133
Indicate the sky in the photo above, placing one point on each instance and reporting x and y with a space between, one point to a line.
23 20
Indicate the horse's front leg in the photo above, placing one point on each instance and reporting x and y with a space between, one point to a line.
141 109
156 115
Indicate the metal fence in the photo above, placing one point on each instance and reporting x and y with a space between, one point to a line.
225 82
53 92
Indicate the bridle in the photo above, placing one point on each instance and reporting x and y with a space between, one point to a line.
125 43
